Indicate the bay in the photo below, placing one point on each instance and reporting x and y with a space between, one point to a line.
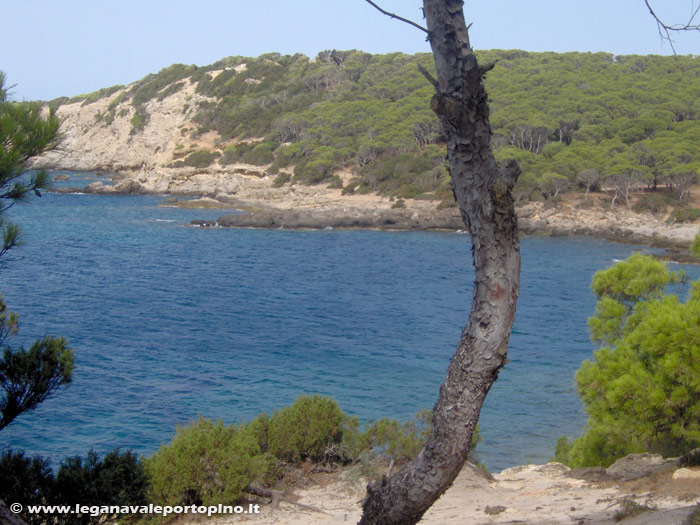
169 322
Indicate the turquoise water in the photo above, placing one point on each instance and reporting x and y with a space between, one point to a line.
168 322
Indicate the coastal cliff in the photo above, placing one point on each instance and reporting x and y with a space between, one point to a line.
217 133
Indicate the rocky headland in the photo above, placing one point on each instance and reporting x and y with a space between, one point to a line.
100 136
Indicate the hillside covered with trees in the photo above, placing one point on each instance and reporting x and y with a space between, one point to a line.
572 120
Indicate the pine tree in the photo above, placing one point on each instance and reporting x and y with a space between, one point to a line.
27 376
642 389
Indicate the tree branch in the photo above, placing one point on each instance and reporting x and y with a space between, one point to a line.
665 29
430 77
397 17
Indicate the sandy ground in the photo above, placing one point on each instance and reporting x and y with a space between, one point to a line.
533 494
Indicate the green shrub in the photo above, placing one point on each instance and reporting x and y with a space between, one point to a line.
198 159
139 121
117 480
651 202
336 183
207 463
260 155
305 429
401 441
281 179
399 204
630 508
29 481
350 188
102 93
695 246
388 438
684 214
234 153
314 171
170 90
119 99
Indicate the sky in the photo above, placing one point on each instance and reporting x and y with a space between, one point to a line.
52 48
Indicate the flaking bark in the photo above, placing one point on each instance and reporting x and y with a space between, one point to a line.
483 193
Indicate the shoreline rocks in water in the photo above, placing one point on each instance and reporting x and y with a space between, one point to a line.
315 207
349 219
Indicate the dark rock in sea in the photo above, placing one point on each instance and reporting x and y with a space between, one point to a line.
129 187
98 188
61 176
308 219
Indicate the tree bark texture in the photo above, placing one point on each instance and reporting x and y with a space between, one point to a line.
483 193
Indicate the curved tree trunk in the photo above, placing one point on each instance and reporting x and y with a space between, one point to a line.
483 192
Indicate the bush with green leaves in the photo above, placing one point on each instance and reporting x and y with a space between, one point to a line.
139 120
206 463
651 202
260 154
641 391
695 246
118 479
209 462
306 429
684 214
281 179
198 159
28 480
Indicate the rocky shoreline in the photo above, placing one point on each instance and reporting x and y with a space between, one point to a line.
262 205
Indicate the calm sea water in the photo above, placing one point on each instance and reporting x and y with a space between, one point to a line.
168 322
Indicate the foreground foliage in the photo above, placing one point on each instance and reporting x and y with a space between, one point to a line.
642 389
117 479
27 376
208 462
24 133
211 462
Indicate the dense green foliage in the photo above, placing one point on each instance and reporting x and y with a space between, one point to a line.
27 377
27 480
642 390
211 462
634 121
24 133
304 429
206 463
695 246
117 479
198 159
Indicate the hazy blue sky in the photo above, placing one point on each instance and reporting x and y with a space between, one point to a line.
52 48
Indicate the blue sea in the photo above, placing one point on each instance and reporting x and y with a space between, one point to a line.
169 322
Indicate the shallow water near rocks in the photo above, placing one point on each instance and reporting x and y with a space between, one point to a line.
169 322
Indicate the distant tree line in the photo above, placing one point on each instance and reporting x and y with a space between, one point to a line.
572 120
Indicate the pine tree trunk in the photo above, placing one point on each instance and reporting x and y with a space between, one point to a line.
483 192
